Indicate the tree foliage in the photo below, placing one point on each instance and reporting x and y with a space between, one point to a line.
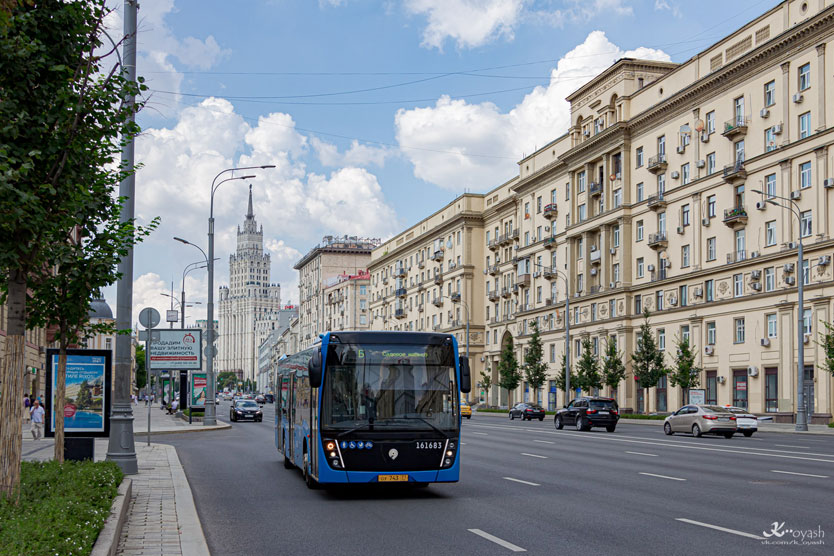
227 379
685 373
486 382
827 344
587 369
509 375
647 360
141 372
613 368
563 374
535 369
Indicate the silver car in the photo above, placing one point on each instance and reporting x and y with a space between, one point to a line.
701 419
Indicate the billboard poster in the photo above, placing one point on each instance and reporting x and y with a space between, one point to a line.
88 387
176 349
698 395
198 390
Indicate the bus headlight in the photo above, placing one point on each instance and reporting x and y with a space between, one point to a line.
448 454
334 454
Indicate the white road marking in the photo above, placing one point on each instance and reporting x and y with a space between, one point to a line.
662 476
801 474
522 482
544 442
641 454
463 443
717 528
790 446
480 433
496 540
534 455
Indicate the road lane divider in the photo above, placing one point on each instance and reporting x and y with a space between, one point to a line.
522 482
719 528
544 441
800 474
641 454
662 476
533 455
496 540
792 446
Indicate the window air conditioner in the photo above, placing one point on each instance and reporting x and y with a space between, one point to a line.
806 338
673 300
721 379
788 267
755 274
586 133
680 229
828 183
650 268
709 350
754 254
593 272
764 113
612 285
676 175
796 195
756 286
704 137
752 371
700 163
761 205
824 260
765 342
790 280
698 291
680 149
777 129
613 250
798 98
705 221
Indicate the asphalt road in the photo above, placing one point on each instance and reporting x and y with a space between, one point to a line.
525 485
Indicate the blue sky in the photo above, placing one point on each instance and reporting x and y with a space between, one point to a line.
376 113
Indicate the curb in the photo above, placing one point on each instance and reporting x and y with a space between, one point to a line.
221 427
108 538
192 539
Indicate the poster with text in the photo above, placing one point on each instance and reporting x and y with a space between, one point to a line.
198 390
86 403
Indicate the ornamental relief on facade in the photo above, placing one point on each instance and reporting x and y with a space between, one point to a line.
647 301
621 307
723 287
603 310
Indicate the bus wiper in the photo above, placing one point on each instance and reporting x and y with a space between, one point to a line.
426 421
370 424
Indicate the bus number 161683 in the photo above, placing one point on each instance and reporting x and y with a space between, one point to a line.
429 445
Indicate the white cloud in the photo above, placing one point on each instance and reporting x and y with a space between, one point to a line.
663 5
449 134
356 155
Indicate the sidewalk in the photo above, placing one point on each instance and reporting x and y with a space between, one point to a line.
161 517
162 423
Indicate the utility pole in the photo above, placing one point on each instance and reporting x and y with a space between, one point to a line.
121 448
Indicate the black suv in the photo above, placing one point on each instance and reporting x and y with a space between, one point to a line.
586 412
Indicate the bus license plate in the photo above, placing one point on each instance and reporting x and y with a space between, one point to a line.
392 478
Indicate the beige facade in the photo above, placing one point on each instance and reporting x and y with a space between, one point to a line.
333 257
649 201
429 277
347 302
35 356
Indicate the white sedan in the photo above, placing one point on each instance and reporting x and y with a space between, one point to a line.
746 422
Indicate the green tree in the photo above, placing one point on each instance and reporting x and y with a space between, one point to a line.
141 372
226 379
509 375
562 375
486 382
535 369
613 368
84 399
827 344
63 123
685 372
587 369
647 361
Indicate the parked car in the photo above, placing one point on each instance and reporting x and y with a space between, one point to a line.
465 409
746 422
701 419
588 412
270 398
260 399
245 409
528 411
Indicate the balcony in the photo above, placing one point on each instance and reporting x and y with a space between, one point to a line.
736 256
657 164
595 188
549 242
400 292
735 172
548 273
493 295
455 297
437 256
438 278
385 279
735 127
400 313
505 239
400 272
506 292
493 270
437 302
523 280
514 235
735 217
420 308
656 201
493 244
422 264
596 256
550 211
495 320
516 288
595 289
658 240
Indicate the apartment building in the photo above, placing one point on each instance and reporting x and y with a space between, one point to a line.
346 302
681 189
333 257
430 277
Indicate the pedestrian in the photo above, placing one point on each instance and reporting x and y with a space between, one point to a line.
26 405
40 400
146 399
36 412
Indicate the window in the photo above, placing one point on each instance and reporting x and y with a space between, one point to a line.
661 339
806 321
738 285
770 233
805 223
738 148
640 267
771 389
806 272
741 252
526 239
771 325
616 236
740 388
639 230
363 290
685 174
711 121
363 319
711 333
739 196
539 205
685 256
539 233
616 274
711 249
770 93
770 140
805 175
659 299
770 279
593 312
580 246
770 185
710 164
661 145
581 182
804 125
579 282
661 222
638 305
618 198
683 295
661 184
363 304
711 206
709 290
738 110
804 76
640 192
582 212
685 215
738 327
612 309
553 196
639 156
712 388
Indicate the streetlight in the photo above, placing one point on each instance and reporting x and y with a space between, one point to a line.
181 305
211 414
801 416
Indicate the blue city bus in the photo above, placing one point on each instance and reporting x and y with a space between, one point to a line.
372 407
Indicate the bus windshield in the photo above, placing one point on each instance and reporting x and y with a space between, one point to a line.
389 387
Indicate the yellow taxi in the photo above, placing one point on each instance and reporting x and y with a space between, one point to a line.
465 409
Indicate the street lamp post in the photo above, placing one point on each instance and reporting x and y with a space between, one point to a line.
465 306
801 414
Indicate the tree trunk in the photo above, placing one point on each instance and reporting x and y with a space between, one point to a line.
60 402
11 383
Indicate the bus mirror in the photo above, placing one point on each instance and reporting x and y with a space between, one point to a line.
314 369
465 379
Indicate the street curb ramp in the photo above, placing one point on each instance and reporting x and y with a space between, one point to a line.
108 538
